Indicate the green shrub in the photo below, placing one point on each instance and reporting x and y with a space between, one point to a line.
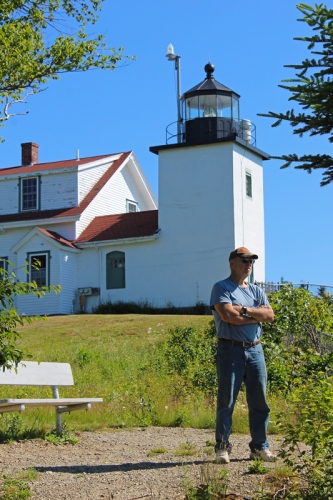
145 307
308 443
213 484
12 428
300 317
10 287
299 342
191 353
14 489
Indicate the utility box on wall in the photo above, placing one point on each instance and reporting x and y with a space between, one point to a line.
88 291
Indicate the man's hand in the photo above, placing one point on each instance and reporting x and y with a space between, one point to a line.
264 314
231 314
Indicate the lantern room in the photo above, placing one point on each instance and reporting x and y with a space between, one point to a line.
210 111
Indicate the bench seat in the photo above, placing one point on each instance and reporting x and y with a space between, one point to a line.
48 402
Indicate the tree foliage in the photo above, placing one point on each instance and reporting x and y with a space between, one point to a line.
40 39
11 287
312 89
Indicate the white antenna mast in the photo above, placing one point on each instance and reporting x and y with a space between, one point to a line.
172 57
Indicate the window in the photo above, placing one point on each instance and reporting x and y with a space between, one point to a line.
39 268
29 193
248 184
3 265
115 270
131 206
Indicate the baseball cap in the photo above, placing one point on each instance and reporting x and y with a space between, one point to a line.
242 252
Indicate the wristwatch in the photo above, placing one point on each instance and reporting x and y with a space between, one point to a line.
243 311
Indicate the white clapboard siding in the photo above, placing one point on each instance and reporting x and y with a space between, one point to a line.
88 176
68 280
58 190
8 240
127 183
66 230
49 303
9 196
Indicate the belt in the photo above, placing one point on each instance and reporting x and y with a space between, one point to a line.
237 342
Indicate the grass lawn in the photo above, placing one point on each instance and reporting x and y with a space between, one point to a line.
115 357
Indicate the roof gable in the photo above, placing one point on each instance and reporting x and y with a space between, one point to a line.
47 235
73 211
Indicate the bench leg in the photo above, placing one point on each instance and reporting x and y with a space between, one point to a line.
58 423
58 415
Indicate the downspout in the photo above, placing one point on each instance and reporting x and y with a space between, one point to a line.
99 270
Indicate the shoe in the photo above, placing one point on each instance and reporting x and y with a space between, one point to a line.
265 454
222 457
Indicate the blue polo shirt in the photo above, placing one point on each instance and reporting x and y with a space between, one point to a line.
229 292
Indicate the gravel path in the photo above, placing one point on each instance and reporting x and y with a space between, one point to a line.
116 465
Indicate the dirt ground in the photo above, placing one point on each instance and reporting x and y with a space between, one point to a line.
117 465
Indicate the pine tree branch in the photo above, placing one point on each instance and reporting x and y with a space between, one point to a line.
312 89
309 163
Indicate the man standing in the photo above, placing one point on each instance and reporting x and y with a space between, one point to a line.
239 309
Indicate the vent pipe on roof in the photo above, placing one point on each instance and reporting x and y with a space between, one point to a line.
77 154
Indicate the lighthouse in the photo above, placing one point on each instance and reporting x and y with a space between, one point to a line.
210 192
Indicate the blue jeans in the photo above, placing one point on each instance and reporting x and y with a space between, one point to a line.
236 364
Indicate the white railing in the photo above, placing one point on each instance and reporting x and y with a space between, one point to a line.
270 287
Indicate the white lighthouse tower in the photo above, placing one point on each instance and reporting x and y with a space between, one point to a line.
210 194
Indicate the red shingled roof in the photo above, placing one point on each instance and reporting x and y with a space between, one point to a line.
57 237
67 212
120 226
36 167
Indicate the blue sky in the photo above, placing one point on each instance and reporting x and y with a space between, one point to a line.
249 43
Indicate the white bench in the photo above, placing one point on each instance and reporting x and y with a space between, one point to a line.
43 374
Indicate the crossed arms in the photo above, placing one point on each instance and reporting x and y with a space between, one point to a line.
231 314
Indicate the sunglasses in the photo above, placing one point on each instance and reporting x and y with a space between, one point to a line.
248 261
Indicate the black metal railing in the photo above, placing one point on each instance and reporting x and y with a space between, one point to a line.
172 137
244 129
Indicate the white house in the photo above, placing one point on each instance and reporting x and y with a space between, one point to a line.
94 226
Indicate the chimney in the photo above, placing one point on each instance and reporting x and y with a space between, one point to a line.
29 153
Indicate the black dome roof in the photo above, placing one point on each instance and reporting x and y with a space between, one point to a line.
209 84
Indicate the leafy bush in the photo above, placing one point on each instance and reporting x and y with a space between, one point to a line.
64 438
300 319
145 307
308 444
190 353
9 317
299 342
14 489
